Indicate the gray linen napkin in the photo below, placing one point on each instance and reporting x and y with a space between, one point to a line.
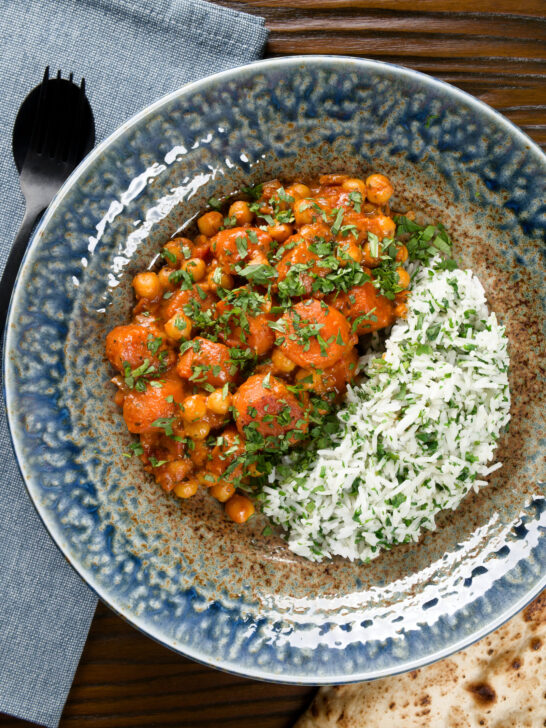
130 54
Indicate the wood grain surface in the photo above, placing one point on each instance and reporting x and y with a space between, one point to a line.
495 50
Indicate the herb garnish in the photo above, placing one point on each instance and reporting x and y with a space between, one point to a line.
133 376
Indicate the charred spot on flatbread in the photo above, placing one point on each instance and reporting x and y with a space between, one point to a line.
482 692
496 682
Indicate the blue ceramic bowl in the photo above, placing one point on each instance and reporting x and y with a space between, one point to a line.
226 595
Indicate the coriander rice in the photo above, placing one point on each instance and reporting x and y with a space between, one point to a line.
416 434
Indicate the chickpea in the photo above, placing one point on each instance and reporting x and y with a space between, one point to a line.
196 267
350 250
355 253
298 191
282 363
304 213
265 368
217 278
253 471
174 472
311 378
199 455
174 247
200 240
387 226
354 185
403 277
367 257
269 188
259 259
218 403
197 430
333 179
210 223
239 508
194 408
186 489
226 281
147 285
119 396
402 254
378 189
163 276
281 231
178 327
401 310
241 212
222 491
206 479
282 204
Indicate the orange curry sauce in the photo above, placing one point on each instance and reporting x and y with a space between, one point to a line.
247 333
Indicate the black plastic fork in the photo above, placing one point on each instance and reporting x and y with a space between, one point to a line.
53 132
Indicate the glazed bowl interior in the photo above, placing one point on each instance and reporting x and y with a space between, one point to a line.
179 570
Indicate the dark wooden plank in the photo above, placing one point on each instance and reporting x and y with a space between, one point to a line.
355 20
532 8
493 50
379 45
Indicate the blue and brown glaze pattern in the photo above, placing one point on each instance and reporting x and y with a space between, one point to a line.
223 594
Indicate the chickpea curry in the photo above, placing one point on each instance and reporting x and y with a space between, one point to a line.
242 344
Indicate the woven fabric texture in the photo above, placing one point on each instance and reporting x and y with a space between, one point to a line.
130 53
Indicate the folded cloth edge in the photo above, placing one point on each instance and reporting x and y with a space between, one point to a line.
222 38
205 17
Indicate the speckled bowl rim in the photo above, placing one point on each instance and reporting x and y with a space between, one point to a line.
10 331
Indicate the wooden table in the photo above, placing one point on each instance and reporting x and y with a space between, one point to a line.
494 49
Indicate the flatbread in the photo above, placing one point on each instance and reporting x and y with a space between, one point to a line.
499 682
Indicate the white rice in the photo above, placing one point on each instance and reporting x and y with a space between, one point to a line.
444 379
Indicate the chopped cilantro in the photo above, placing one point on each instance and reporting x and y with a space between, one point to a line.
184 276
337 222
369 316
258 273
153 343
242 245
180 323
171 257
136 449
423 349
166 424
251 235
157 463
284 196
373 240
346 230
397 500
356 198
133 376
424 241
277 325
253 192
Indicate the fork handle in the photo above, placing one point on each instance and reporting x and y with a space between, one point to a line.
9 276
